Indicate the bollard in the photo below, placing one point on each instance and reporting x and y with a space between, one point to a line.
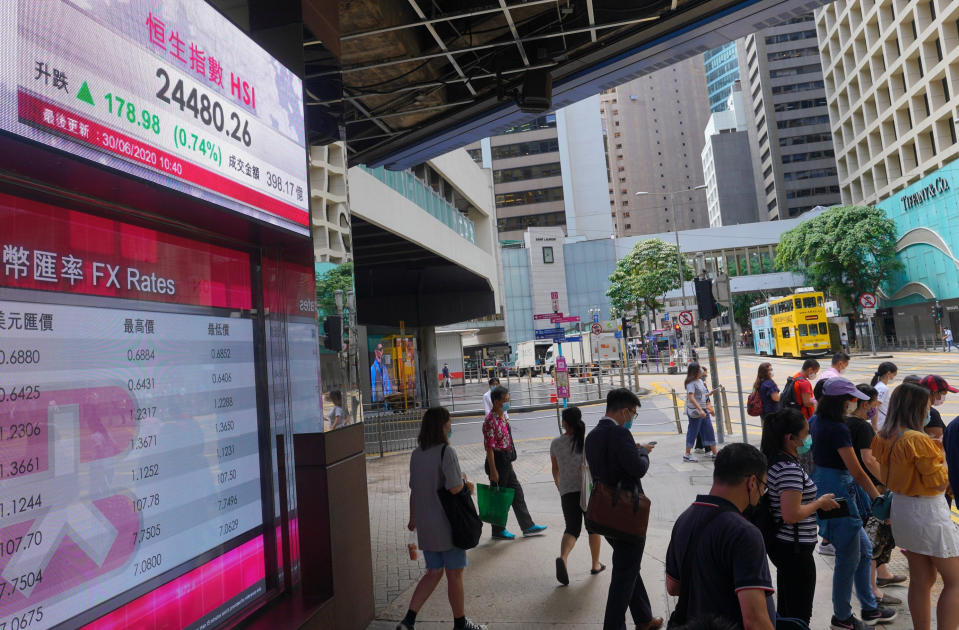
635 376
379 432
559 419
729 424
679 425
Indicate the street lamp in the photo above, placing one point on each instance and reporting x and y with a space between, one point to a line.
679 258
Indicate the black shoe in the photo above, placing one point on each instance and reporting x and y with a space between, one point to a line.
562 575
880 615
471 625
848 624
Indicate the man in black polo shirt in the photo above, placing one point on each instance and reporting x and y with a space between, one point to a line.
728 573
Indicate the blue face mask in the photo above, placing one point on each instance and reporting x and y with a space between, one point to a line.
925 423
506 406
805 446
449 433
629 424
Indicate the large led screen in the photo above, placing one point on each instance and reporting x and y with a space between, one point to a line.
130 485
166 90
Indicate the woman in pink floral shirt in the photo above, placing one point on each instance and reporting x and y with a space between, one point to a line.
500 455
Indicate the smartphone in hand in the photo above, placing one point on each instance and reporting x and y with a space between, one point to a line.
842 510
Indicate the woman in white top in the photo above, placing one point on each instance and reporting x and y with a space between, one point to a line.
885 374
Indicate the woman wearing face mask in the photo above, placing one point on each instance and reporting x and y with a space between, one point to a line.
697 410
500 455
836 466
434 466
880 534
793 500
885 374
913 466
938 388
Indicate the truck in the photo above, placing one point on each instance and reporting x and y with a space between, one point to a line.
529 357
605 350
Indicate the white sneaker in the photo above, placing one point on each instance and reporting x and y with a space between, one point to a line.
688 457
826 549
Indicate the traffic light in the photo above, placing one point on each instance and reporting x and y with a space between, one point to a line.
333 331
677 328
705 300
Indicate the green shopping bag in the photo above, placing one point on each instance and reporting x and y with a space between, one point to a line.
494 503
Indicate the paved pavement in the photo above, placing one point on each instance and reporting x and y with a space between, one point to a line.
511 584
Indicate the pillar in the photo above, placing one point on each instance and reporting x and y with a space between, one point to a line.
429 384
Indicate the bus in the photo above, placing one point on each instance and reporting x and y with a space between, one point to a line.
762 330
799 325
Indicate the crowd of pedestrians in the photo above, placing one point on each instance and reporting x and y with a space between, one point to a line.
864 468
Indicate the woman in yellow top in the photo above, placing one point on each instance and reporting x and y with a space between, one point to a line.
913 466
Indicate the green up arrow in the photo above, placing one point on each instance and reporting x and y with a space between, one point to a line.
84 94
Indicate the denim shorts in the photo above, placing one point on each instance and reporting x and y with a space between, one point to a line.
454 558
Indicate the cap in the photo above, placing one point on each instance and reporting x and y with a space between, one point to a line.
838 386
936 383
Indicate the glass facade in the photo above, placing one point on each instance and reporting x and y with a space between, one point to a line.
519 299
722 70
588 267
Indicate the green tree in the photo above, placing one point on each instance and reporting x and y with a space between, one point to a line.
742 302
340 277
643 276
847 250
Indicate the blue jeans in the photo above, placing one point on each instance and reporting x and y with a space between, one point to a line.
853 549
702 427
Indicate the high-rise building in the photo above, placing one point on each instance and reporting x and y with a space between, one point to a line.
722 70
727 169
890 71
654 141
550 172
783 81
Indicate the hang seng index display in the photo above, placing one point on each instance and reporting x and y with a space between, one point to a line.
161 90
128 448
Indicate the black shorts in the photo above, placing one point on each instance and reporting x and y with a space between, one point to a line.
573 514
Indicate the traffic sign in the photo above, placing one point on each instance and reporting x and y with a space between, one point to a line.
869 312
556 334
596 329
868 300
686 318
575 339
546 315
618 334
572 319
665 317
595 318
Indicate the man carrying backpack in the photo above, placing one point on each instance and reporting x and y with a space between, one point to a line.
797 392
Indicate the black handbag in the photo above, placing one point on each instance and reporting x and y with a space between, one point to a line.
461 512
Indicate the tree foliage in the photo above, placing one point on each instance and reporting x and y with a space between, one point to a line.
643 276
742 302
847 250
340 277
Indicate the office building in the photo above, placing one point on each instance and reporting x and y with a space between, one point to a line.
550 172
654 144
727 169
722 70
890 71
783 81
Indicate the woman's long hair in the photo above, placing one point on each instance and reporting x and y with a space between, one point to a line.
431 428
763 374
573 417
776 426
884 368
908 408
692 373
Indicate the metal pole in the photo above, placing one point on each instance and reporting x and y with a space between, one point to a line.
559 344
622 358
739 378
679 425
872 339
711 344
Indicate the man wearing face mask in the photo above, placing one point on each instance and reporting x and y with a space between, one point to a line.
613 457
500 455
716 560
938 388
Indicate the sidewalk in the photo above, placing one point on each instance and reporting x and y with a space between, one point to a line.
512 584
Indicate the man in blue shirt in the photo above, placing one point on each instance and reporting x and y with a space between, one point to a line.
613 456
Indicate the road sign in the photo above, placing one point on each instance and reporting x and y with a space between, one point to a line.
618 334
665 317
869 312
562 378
867 300
546 315
686 318
551 333
559 319
595 318
596 329
575 339
554 295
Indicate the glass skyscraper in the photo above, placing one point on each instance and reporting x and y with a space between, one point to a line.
722 70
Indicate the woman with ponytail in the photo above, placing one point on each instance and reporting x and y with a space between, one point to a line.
566 453
885 374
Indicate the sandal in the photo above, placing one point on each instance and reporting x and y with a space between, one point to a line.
895 579
602 567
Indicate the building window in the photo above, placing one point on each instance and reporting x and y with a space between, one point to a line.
525 148
539 195
548 255
526 172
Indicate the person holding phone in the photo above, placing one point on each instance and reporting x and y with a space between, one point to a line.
698 409
794 504
836 467
913 466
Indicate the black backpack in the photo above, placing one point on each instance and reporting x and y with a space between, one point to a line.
788 398
767 522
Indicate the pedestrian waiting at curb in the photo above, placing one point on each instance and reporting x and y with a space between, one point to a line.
698 411
914 468
487 397
767 388
801 397
793 504
716 560
434 468
500 455
840 361
938 389
836 468
566 455
884 376
614 458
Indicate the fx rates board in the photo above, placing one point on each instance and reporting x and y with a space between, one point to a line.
128 447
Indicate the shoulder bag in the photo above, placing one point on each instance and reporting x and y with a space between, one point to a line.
461 512
882 505
619 512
